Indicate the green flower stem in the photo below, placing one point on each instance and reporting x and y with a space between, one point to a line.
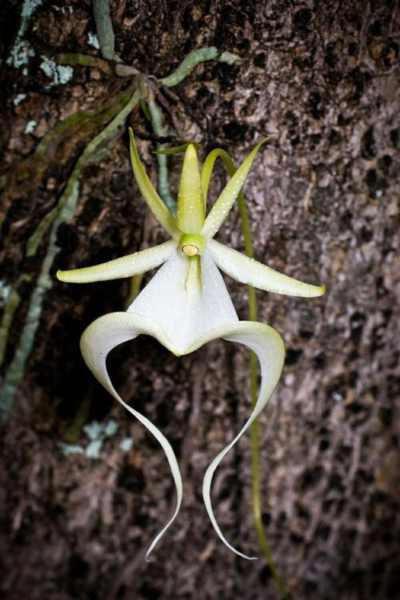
256 494
134 288
65 211
254 430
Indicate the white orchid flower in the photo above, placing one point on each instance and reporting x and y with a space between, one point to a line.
186 304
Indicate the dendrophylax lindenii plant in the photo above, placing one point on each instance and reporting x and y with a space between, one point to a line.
186 304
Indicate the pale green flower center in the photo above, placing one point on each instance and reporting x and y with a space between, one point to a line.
192 244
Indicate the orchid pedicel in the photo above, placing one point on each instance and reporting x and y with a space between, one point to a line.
186 304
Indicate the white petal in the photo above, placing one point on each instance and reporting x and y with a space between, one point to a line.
126 266
268 346
97 341
181 316
251 272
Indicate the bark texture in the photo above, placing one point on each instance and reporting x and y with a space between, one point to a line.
323 77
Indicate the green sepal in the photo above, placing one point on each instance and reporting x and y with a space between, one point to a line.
153 200
231 191
190 214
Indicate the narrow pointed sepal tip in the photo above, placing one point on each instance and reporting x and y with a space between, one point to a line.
319 290
312 291
60 275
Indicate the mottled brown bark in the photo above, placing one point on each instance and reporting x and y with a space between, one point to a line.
324 200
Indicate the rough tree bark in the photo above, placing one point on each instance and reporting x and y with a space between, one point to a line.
323 77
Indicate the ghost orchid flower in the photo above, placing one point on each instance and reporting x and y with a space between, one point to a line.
186 304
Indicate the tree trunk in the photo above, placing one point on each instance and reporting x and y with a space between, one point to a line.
322 78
